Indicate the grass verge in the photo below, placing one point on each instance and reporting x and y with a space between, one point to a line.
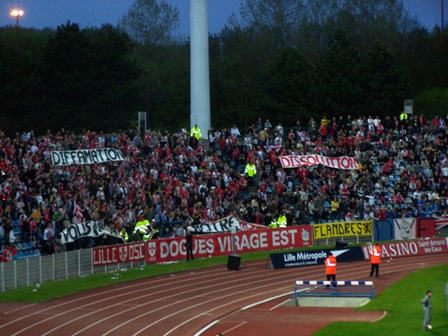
404 310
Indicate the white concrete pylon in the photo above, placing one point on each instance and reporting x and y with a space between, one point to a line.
199 67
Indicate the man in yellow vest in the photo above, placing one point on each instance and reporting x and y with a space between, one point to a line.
251 172
124 235
282 221
150 231
195 135
140 229
403 117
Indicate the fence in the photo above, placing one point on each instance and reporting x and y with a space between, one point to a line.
30 271
79 263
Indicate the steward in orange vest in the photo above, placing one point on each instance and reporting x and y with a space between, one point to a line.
330 268
375 259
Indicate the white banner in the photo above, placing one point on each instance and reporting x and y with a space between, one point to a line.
86 156
405 228
86 229
341 162
223 225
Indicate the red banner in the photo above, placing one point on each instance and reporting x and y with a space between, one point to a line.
170 249
411 248
118 254
295 161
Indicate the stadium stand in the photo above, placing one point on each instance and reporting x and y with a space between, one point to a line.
403 173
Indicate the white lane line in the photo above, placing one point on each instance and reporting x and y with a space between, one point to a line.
266 300
233 328
379 318
207 327
280 304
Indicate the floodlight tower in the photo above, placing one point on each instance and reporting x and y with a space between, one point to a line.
17 14
199 67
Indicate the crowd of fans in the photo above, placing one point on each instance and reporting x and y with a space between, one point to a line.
174 180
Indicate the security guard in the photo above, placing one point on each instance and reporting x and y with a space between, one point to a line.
282 221
150 232
196 132
124 235
403 117
140 229
273 224
250 171
375 259
330 268
195 135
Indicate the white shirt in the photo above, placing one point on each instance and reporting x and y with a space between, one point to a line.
235 131
48 233
12 237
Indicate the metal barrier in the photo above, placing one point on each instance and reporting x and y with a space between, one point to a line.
334 289
47 268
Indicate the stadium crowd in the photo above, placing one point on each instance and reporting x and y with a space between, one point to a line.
174 180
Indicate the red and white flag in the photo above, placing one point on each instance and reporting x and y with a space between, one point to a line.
78 213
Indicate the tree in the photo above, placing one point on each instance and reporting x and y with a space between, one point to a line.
20 92
379 20
293 87
150 21
341 73
385 81
88 79
275 20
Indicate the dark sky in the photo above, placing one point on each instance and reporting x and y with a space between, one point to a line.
51 13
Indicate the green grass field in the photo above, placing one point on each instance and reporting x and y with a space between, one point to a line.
401 301
404 310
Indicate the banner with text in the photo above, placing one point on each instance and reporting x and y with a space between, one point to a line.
296 161
343 229
170 249
315 257
410 248
86 229
224 225
86 156
114 254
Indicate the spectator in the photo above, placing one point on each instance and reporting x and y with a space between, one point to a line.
2 234
234 131
189 245
12 237
48 236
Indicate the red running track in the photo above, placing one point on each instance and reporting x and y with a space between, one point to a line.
212 300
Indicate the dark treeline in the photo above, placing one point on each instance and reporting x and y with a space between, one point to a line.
285 60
